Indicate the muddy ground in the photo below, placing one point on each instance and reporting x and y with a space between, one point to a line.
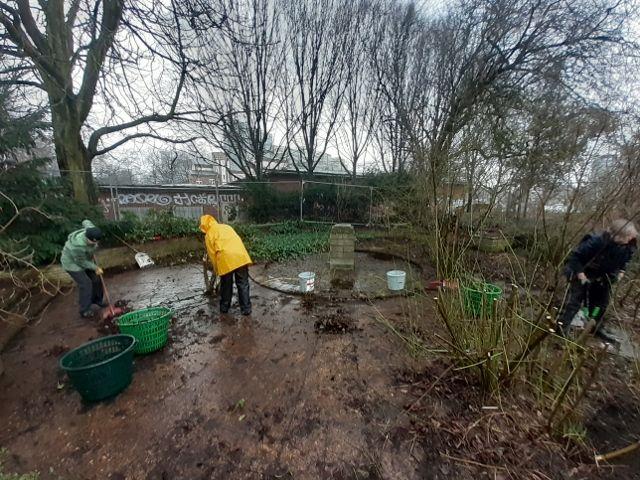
268 396
299 390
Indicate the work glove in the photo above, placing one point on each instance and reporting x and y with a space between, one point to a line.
583 278
99 271
620 275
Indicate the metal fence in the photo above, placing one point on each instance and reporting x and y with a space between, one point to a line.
312 201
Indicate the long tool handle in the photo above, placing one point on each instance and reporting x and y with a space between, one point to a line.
104 288
122 240
106 294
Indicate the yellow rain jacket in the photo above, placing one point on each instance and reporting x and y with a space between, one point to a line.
224 247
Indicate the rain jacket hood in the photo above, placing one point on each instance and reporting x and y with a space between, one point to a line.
77 254
207 222
224 247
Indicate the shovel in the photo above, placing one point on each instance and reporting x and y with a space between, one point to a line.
142 259
110 311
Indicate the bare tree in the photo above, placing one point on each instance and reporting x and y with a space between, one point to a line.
398 57
21 125
477 51
108 173
240 86
360 99
391 140
168 167
474 53
317 45
77 52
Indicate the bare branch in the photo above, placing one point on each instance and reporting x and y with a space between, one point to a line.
144 135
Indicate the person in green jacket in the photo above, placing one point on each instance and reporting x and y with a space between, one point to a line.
78 260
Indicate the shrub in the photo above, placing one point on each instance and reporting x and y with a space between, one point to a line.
336 203
156 224
49 213
266 204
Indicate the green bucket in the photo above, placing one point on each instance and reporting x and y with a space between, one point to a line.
150 327
101 368
479 298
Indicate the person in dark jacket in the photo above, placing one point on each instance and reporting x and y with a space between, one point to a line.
78 260
597 262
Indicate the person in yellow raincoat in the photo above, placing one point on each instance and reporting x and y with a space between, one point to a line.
230 260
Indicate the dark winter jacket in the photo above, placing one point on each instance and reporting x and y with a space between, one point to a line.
599 256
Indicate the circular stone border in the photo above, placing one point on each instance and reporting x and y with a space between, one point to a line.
290 289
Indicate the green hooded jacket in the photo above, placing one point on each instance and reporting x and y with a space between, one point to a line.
77 254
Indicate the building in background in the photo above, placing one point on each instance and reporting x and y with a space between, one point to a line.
208 172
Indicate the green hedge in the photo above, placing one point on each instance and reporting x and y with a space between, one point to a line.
155 225
265 204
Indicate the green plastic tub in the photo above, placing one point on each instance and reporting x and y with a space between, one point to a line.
479 298
150 327
101 368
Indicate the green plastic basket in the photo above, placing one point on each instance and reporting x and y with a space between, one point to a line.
479 298
101 368
150 327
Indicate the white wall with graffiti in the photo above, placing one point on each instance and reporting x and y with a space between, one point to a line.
188 202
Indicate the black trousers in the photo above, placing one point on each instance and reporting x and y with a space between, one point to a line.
593 294
89 289
241 276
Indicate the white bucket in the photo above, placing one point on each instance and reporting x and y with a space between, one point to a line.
307 281
396 279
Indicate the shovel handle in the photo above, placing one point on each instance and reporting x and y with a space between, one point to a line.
122 240
106 292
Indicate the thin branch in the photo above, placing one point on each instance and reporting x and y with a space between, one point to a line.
144 135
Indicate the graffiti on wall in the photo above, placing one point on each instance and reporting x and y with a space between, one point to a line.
167 199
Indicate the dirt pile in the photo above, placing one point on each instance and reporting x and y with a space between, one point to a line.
107 324
336 322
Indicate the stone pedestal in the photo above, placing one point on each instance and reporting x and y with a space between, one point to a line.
342 255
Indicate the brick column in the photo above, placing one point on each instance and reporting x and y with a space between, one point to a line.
342 255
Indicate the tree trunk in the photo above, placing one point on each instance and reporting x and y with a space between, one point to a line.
526 203
72 156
